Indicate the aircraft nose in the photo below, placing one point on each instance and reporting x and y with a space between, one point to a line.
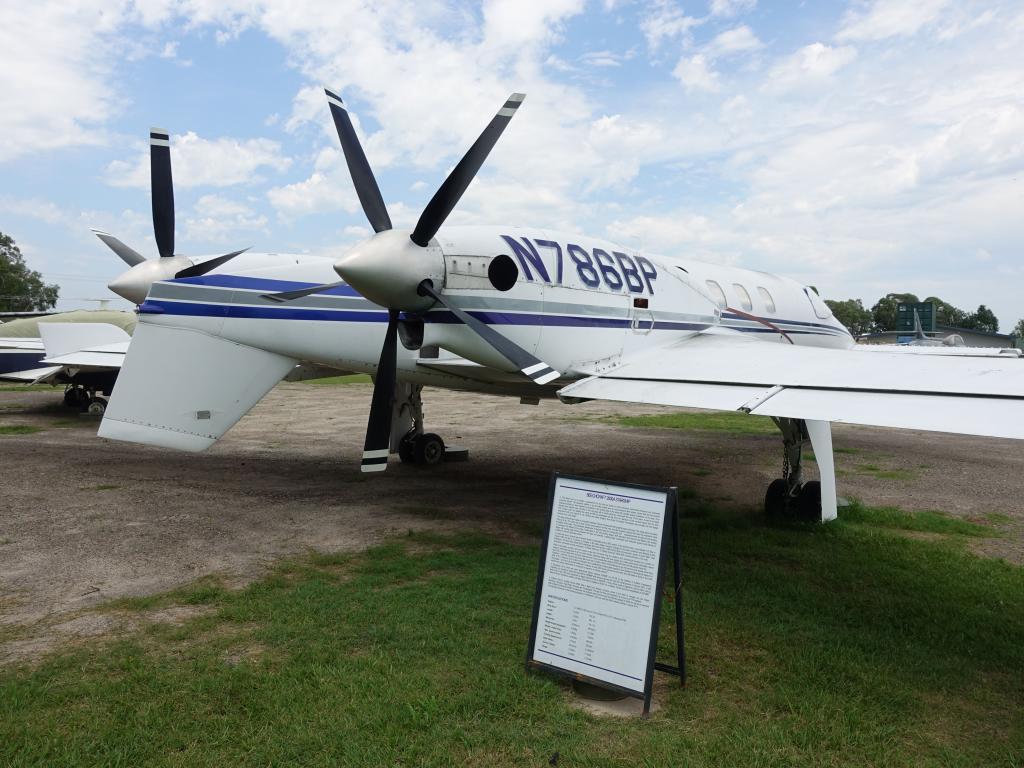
128 285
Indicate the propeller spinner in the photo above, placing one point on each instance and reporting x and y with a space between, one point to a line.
404 271
142 272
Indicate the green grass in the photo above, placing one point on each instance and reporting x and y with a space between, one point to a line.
926 521
724 421
341 381
19 429
831 645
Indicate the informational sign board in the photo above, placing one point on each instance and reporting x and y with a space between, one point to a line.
599 583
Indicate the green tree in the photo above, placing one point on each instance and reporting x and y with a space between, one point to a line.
21 289
982 319
1018 329
883 314
853 314
947 314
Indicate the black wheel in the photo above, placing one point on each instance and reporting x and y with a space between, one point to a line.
96 407
407 449
775 499
73 397
808 502
429 449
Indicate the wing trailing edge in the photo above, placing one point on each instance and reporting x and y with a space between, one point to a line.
971 396
183 389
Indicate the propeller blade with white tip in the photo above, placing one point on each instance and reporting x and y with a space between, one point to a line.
537 370
358 166
451 191
163 190
378 428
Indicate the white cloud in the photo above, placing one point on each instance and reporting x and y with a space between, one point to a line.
736 40
196 162
216 219
327 188
811 64
694 73
54 74
731 7
665 21
890 18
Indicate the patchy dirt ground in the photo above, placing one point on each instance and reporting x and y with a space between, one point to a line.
84 520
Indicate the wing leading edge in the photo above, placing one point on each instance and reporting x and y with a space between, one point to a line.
973 396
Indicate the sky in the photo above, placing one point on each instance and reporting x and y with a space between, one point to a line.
865 147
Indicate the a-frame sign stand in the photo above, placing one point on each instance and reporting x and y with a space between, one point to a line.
572 604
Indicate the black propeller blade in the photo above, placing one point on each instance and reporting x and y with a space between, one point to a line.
539 371
298 294
201 269
451 191
378 429
358 167
163 190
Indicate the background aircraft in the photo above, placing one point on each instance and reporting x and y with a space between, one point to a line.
527 312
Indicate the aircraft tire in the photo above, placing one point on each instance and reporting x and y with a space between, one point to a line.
429 449
96 407
407 450
775 500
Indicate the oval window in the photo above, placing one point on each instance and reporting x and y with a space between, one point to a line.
717 293
744 297
769 302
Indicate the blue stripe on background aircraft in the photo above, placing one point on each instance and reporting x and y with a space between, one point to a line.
524 312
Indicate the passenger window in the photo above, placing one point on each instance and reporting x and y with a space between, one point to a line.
744 297
717 293
769 302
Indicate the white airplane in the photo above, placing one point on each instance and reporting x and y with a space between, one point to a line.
532 313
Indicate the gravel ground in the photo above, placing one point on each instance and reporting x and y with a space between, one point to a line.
84 520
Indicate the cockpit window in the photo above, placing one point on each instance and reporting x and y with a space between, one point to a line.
769 302
717 293
820 307
744 297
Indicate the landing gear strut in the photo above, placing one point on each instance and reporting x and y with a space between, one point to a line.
789 497
408 438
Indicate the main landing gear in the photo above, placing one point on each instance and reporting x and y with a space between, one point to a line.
408 438
85 400
789 497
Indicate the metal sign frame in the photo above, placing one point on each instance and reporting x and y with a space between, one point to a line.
669 543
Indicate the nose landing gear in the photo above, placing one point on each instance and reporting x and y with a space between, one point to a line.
408 438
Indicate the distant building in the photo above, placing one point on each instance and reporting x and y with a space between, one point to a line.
972 338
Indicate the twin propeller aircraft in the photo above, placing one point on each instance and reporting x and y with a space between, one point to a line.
521 312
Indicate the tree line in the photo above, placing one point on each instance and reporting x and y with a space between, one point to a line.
22 289
882 316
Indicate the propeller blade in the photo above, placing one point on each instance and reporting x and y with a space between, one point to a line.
289 295
129 256
163 190
210 264
451 191
378 429
537 370
358 167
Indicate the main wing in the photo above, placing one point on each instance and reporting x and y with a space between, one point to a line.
181 388
720 371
